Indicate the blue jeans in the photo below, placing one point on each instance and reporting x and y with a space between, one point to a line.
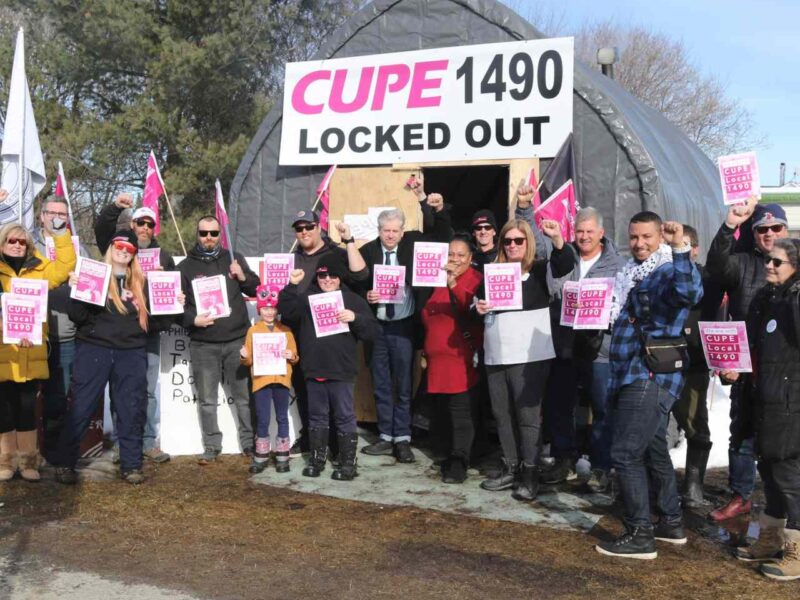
639 449
392 355
741 461
593 378
264 398
329 396
62 355
153 372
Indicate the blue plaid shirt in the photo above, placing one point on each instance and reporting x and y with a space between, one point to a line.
670 291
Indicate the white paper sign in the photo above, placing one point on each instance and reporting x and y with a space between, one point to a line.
35 289
149 259
163 287
324 308
429 258
50 247
276 268
211 296
487 101
268 349
21 320
93 278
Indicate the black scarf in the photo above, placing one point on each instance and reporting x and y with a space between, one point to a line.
15 262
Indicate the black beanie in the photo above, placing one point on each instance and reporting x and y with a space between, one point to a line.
484 217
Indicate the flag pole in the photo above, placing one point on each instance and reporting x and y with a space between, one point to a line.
218 194
21 164
169 206
66 197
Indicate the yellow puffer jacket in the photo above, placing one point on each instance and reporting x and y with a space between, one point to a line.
24 364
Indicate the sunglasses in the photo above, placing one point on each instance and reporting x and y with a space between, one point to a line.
21 241
202 233
302 228
145 223
326 276
765 228
127 247
482 228
517 240
776 262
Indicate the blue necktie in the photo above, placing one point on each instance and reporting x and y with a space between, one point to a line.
389 307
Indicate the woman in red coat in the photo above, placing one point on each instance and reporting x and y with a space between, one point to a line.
452 356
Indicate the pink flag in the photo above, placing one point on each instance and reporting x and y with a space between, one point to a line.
153 189
324 197
536 201
61 185
560 207
222 216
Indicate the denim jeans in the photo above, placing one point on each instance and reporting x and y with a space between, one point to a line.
329 396
391 366
59 362
210 363
639 449
593 380
741 461
782 489
151 426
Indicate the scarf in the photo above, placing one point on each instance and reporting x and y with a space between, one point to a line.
632 274
15 262
208 253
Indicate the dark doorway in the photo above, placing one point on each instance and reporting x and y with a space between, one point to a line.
468 189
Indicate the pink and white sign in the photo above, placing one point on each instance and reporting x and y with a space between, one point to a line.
503 283
390 283
211 296
35 289
570 293
275 269
324 308
149 259
21 320
268 349
725 346
163 287
429 258
740 177
594 303
50 247
93 278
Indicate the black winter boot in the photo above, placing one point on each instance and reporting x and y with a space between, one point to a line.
696 461
318 442
347 457
528 483
505 480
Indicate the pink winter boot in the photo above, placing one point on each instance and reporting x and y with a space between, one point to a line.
261 455
282 447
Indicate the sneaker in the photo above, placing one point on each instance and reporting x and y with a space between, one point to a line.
403 452
134 476
563 470
379 448
599 482
737 506
208 456
156 455
672 534
66 475
636 542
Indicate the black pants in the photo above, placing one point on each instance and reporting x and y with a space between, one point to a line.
782 489
461 411
691 410
18 406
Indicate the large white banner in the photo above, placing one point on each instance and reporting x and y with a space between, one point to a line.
488 101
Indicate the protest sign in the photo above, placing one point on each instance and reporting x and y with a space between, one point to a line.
149 259
93 278
486 101
569 302
21 319
389 281
211 296
429 258
268 349
275 269
324 308
594 303
503 283
35 289
740 177
725 346
164 287
50 247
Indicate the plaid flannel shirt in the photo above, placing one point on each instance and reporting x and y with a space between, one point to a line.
671 291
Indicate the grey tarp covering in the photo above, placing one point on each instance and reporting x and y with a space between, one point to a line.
629 157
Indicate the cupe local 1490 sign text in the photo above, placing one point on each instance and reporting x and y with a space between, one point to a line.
508 100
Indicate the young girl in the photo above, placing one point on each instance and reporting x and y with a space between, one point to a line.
270 389
111 348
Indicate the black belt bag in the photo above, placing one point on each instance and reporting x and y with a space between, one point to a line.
664 355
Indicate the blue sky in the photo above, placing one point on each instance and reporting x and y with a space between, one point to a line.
752 46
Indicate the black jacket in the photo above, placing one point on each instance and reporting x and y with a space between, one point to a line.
705 310
741 274
481 258
773 401
226 329
106 226
308 263
335 356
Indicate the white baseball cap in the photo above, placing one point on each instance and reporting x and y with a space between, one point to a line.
144 212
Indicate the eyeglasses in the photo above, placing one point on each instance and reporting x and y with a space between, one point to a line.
127 247
302 228
21 241
517 240
765 228
776 262
52 213
326 276
145 223
202 233
482 228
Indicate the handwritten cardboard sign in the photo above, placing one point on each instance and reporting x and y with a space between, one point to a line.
164 287
93 278
35 289
21 319
740 177
390 283
503 283
268 349
429 258
324 308
725 345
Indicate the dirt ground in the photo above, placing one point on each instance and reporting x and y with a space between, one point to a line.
209 532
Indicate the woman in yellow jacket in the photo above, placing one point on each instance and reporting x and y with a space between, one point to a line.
23 366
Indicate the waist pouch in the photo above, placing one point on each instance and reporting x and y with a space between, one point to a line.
665 355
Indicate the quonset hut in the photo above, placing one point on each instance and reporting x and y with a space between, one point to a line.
628 156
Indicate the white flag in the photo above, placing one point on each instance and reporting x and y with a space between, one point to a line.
23 164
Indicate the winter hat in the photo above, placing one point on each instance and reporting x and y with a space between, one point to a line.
769 214
267 296
332 265
126 236
484 217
